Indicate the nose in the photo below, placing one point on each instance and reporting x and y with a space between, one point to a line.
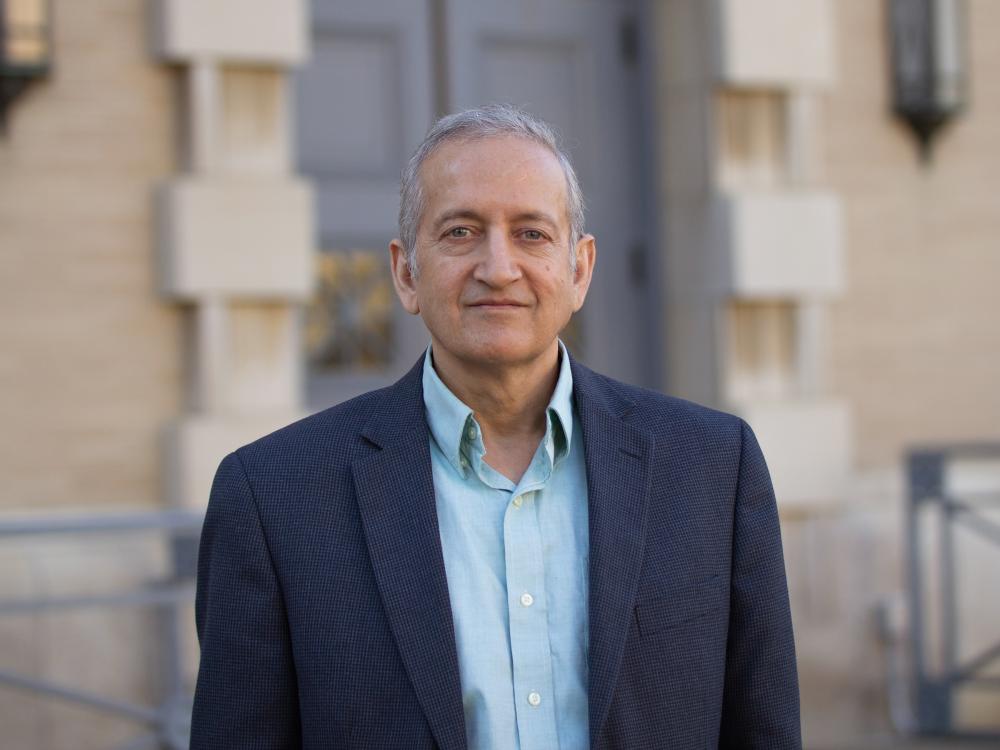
498 265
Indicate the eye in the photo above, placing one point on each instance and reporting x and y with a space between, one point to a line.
458 233
533 235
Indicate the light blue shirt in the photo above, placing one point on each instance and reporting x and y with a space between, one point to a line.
516 558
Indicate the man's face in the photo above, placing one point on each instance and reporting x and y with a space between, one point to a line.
494 283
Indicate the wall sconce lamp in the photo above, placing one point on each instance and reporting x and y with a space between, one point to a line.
929 73
25 48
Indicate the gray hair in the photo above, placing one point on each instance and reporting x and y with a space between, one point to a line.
473 124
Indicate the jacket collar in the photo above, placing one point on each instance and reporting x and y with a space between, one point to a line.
395 491
618 457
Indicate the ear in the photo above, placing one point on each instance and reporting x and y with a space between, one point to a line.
586 256
402 278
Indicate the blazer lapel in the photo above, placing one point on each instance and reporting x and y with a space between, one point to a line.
395 490
617 458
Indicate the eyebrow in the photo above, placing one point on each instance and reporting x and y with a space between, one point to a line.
458 213
468 213
537 216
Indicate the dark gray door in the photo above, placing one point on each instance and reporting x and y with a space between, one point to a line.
380 72
363 102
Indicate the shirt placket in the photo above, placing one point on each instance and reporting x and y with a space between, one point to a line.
534 696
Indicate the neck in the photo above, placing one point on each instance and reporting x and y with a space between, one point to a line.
508 400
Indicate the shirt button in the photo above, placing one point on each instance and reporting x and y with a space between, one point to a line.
534 698
527 599
463 462
472 432
517 501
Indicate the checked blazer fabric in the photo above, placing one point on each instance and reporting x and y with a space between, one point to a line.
323 611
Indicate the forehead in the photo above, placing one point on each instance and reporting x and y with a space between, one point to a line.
496 174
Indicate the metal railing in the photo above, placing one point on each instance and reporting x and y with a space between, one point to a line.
934 614
168 723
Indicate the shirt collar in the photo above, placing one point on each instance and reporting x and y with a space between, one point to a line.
447 416
450 420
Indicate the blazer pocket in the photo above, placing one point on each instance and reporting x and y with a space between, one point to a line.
686 604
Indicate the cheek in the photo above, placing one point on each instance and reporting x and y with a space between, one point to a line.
438 296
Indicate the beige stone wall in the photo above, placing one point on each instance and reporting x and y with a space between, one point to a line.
916 336
91 366
915 351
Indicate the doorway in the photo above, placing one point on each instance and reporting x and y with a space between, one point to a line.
380 73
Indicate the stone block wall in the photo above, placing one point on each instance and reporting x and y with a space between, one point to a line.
92 363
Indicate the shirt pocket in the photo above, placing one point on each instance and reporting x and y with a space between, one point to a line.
682 606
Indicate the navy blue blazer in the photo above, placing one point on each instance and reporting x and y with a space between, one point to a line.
323 611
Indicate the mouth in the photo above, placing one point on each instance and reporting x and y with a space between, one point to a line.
497 304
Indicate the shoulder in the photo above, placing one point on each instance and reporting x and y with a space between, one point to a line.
329 440
338 433
661 415
334 423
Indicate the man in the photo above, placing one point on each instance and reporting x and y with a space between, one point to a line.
504 549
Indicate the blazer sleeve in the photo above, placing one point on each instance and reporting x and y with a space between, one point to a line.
246 693
761 696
